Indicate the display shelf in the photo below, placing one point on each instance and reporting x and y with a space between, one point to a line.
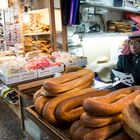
43 23
32 34
38 11
30 75
53 132
42 33
121 9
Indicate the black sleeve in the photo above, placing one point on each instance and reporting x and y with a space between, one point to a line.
118 67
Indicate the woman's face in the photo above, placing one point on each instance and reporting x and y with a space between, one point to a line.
135 46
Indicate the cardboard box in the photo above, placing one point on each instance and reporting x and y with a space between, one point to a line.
50 71
10 79
28 75
18 77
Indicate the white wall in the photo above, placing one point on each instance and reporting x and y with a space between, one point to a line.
96 46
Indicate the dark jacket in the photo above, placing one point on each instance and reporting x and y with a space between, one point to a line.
130 64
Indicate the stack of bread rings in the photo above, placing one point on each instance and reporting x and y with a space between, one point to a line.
131 119
102 118
60 99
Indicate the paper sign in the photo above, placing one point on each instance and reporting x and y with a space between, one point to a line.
124 78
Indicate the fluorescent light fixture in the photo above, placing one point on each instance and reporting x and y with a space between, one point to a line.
3 4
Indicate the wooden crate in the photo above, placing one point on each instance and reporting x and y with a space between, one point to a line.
54 133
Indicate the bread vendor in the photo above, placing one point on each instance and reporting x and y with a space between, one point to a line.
129 61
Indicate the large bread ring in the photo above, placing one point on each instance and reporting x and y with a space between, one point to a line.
100 108
116 95
103 133
70 109
67 77
36 95
133 134
49 107
137 102
39 104
132 117
92 121
59 88
120 136
75 126
80 132
51 94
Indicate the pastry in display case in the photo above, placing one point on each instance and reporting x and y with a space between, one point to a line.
31 43
37 23
37 27
12 35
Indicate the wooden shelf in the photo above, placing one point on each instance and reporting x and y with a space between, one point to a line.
38 11
43 33
55 133
121 9
32 34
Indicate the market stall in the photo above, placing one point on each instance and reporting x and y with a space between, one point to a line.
59 94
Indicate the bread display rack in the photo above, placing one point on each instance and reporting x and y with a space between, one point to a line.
41 29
